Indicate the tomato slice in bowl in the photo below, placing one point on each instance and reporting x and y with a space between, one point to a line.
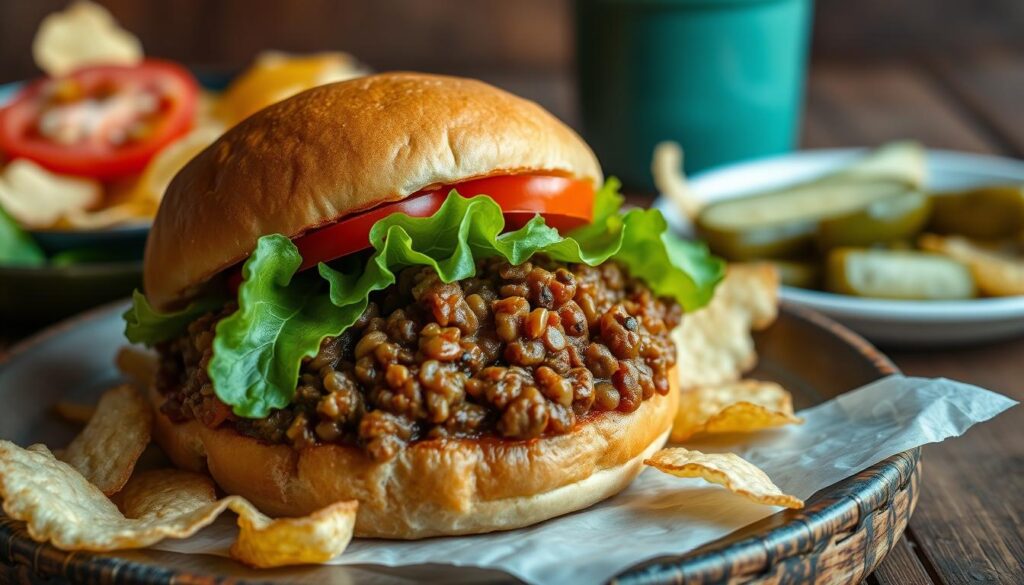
563 202
105 121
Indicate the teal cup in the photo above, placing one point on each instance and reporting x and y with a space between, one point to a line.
723 78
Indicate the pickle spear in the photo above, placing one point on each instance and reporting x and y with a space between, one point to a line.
985 213
783 223
897 275
881 222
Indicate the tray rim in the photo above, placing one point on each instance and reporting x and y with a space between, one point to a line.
814 528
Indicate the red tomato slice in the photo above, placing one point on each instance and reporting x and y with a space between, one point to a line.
564 203
568 202
104 122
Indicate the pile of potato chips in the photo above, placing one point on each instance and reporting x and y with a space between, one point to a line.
90 497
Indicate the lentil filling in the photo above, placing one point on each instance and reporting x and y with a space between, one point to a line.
514 352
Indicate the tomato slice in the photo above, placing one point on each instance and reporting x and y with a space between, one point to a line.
568 202
564 203
105 121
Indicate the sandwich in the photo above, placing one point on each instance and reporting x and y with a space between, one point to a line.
418 292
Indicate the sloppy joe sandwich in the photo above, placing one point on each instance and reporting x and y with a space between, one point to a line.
417 292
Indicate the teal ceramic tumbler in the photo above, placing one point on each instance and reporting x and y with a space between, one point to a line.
724 78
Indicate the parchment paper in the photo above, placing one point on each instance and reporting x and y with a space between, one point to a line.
660 515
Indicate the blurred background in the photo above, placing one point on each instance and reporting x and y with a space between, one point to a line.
903 48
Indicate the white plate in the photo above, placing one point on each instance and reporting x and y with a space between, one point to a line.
908 323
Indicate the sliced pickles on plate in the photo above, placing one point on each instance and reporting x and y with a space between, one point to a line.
855 230
973 224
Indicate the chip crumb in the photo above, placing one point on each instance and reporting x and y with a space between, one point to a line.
726 469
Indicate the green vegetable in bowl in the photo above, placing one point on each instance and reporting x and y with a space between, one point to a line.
16 246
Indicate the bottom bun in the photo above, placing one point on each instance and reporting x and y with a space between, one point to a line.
433 487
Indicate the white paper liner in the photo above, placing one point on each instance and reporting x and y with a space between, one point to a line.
661 515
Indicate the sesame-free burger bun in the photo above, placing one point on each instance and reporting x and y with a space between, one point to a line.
339 149
433 487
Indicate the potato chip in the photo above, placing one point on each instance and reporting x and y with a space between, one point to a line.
737 407
667 168
83 34
106 450
726 469
714 342
275 76
165 493
37 198
138 365
264 542
74 412
60 506
995 274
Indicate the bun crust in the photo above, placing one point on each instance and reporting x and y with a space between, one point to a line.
433 487
338 149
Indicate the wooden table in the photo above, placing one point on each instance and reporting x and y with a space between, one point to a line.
969 523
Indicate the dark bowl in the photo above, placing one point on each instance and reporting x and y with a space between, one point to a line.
48 293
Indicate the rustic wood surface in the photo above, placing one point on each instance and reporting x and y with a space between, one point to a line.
967 528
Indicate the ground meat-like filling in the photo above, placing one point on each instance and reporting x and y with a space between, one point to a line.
516 352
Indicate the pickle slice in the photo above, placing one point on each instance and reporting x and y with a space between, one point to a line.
798 273
897 275
986 213
881 222
898 161
783 223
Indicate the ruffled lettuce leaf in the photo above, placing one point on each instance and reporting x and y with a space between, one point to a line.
144 324
283 317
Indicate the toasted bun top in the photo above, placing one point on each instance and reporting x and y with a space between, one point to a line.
338 149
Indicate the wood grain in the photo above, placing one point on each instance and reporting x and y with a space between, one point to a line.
989 82
902 565
869 103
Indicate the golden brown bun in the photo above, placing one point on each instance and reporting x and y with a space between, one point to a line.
338 149
435 487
